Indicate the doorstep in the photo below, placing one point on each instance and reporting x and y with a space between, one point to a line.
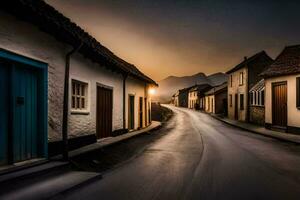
110 141
287 137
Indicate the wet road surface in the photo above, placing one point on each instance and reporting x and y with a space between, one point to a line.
202 158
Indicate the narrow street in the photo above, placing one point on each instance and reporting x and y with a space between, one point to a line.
202 158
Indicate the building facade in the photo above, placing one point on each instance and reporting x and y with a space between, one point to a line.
107 96
282 91
241 78
216 100
193 98
197 96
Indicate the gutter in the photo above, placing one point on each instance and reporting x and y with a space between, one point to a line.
66 102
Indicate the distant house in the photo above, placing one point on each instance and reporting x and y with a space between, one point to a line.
216 100
241 78
196 96
176 99
183 97
282 92
257 103
106 95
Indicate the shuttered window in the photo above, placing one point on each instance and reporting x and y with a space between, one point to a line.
230 100
298 92
79 95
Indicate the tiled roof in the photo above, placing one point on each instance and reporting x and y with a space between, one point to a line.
260 85
217 89
200 88
287 62
249 61
49 20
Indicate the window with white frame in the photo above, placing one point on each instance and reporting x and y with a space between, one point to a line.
79 95
257 98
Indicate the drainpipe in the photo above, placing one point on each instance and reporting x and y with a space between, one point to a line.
66 103
124 100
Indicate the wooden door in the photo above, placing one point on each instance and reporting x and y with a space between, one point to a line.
131 112
236 103
104 112
25 137
141 112
279 104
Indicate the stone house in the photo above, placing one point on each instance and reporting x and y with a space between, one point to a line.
216 100
257 103
196 97
282 91
241 78
106 95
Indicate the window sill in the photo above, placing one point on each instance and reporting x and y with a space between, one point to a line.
80 112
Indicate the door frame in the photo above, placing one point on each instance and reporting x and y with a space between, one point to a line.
100 85
236 106
273 106
42 102
130 113
141 113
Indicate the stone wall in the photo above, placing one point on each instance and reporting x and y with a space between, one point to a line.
257 115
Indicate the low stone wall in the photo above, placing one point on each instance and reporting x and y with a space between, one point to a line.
257 115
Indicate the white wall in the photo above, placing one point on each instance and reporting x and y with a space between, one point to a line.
293 112
138 89
27 40
91 73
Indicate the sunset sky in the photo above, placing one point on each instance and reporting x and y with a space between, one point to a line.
184 37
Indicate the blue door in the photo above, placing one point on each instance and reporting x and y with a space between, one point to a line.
25 113
4 112
23 108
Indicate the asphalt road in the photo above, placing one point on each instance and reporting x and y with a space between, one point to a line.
203 158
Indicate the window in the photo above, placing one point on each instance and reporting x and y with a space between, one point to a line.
258 98
230 80
230 100
298 92
255 99
241 101
262 97
241 78
79 95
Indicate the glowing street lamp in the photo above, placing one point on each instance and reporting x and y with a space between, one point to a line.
152 91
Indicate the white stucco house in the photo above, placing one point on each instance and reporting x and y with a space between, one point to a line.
282 91
106 96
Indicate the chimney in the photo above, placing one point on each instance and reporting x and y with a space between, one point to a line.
245 58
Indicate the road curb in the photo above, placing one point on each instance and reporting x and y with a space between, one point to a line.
111 141
256 132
